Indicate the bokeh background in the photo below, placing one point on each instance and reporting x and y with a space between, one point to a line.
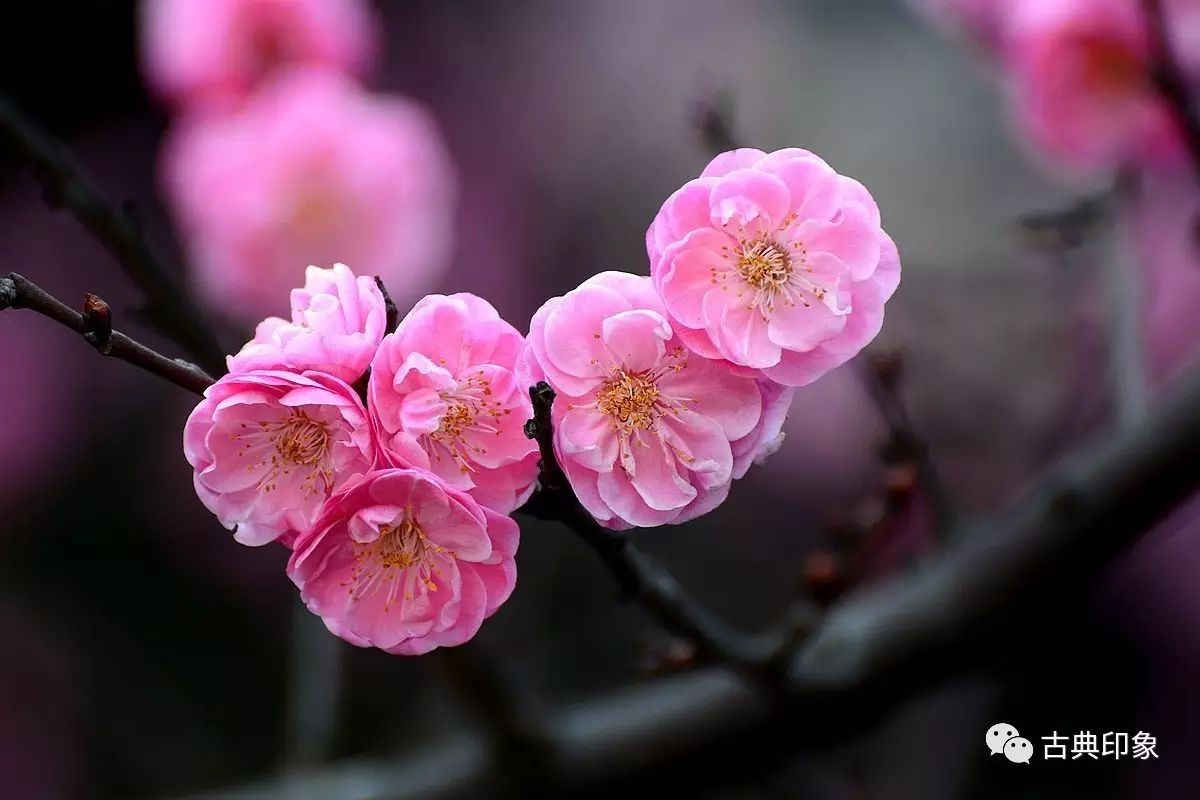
145 654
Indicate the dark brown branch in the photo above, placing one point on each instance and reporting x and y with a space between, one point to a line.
1170 78
638 575
66 186
95 325
874 649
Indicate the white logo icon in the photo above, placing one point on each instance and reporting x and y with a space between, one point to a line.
1018 750
998 734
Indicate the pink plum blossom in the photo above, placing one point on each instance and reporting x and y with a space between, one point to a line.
405 563
773 263
312 170
1082 88
445 398
219 50
269 447
337 323
642 426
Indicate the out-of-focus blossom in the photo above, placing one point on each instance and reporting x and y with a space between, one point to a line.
642 426
268 448
337 323
444 395
1082 86
774 263
312 170
403 562
219 50
981 22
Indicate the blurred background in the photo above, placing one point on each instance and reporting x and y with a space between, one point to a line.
148 655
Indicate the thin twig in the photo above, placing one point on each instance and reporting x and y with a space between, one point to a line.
879 374
1170 79
67 186
638 575
17 291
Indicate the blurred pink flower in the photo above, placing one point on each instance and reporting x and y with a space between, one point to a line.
773 262
443 393
312 170
269 447
337 323
219 50
1082 88
402 562
642 426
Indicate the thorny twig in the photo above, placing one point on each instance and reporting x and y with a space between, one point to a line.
95 325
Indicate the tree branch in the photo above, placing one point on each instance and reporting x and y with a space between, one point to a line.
1170 79
638 575
873 650
95 325
66 186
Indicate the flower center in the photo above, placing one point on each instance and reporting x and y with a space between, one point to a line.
396 561
458 417
630 399
469 407
765 264
299 439
294 442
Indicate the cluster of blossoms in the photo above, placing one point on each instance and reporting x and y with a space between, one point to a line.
279 158
389 461
394 507
1079 73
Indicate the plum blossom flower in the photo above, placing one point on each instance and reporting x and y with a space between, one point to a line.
1082 86
269 447
405 563
218 50
338 321
774 263
642 426
312 170
445 398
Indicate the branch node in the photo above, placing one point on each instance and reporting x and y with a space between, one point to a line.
97 323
